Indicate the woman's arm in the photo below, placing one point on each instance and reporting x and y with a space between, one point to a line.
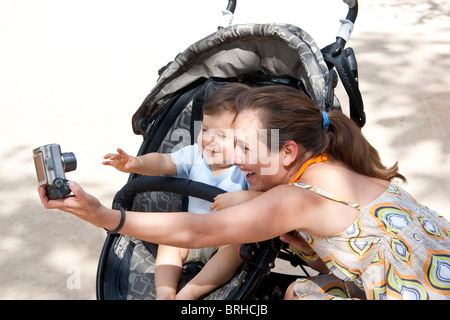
273 213
269 215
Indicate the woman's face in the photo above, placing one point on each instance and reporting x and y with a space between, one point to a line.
263 168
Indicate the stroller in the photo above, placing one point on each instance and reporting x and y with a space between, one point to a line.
253 54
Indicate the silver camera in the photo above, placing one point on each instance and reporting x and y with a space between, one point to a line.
51 165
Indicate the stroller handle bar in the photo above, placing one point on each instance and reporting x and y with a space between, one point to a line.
352 9
344 31
227 15
352 6
347 24
231 5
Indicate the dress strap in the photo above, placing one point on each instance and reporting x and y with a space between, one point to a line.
327 195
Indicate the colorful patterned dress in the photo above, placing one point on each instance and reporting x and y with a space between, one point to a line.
396 249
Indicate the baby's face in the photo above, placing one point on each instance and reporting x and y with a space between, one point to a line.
216 139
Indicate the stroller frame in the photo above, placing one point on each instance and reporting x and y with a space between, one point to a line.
249 54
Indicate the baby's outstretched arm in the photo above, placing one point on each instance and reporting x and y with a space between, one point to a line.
151 164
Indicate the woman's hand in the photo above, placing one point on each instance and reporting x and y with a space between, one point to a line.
298 243
82 205
229 199
122 161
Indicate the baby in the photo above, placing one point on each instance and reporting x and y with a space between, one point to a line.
208 161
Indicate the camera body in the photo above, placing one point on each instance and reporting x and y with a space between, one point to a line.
51 166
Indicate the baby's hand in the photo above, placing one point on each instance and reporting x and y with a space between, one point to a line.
229 199
121 161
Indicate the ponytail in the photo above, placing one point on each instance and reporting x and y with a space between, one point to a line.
347 144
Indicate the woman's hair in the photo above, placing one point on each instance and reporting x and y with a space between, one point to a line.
297 118
223 99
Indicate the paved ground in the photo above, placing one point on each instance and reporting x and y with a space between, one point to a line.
74 73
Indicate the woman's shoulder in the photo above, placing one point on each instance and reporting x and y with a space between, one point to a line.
344 182
290 197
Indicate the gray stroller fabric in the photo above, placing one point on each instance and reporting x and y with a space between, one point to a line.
278 50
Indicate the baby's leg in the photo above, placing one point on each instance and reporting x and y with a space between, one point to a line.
168 267
216 272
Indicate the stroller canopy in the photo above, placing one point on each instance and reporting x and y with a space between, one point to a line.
274 50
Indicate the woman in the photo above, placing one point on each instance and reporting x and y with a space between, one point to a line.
382 242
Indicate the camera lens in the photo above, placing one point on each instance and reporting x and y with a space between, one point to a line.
69 161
